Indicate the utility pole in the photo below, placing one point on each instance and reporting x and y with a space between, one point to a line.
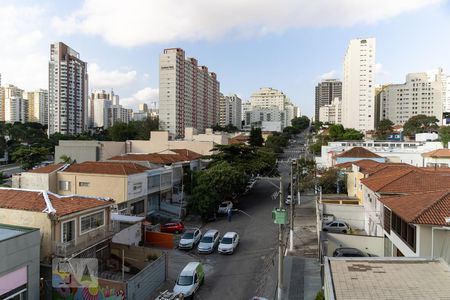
291 231
280 248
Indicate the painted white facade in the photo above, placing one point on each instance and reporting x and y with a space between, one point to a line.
16 110
188 93
420 94
358 85
258 115
8 91
230 110
99 105
405 152
331 113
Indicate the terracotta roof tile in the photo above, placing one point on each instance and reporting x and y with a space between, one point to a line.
359 152
179 155
439 153
239 139
34 201
46 169
384 168
107 167
422 208
362 164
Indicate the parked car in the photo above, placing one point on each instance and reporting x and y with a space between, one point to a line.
224 207
288 200
337 226
190 238
209 241
189 280
349 252
174 227
228 243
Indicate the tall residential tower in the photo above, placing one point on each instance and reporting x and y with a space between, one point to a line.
326 92
358 86
68 91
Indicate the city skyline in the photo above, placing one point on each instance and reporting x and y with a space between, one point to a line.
241 53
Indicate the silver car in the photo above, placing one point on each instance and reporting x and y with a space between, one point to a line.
190 238
228 243
209 241
337 226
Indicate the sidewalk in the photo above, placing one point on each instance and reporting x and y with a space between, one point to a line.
301 266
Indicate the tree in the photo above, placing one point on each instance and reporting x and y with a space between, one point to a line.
336 132
330 179
300 123
66 159
276 142
351 134
419 124
122 132
444 135
256 138
384 128
28 157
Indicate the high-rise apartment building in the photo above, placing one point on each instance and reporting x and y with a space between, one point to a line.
188 93
8 91
269 97
99 104
143 107
331 113
68 91
16 110
37 106
420 94
326 91
230 110
358 86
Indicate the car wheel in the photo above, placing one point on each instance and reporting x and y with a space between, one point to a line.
344 231
325 229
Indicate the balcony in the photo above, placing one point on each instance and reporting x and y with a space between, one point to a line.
85 241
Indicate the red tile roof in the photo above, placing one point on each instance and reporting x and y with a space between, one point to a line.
35 201
107 167
385 168
358 152
47 169
362 164
439 153
424 208
239 139
179 155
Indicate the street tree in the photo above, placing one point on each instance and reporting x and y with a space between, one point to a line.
300 123
351 134
384 128
420 124
29 157
256 138
336 131
444 135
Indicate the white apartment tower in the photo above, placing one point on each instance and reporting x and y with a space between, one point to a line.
358 86
16 110
188 93
37 106
68 91
8 91
419 95
230 111
331 113
99 105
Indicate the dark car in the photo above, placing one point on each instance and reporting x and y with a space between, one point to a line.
349 252
174 227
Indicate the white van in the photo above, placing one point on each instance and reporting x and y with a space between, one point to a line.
189 280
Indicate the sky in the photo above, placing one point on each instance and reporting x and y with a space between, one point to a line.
289 45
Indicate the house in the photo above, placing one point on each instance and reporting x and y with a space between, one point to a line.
437 158
355 154
19 262
385 278
417 224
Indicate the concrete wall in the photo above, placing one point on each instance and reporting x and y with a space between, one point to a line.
109 149
352 214
80 151
442 244
340 160
423 240
34 220
138 146
370 244
136 179
37 181
22 251
148 280
111 186
440 161
131 235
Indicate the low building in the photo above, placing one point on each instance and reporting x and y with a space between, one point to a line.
385 278
355 154
81 151
437 158
19 262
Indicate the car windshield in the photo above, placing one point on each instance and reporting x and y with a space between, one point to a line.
184 280
188 235
227 240
207 239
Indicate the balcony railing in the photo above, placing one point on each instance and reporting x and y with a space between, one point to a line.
86 240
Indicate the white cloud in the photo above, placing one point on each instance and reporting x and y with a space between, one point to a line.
23 62
146 95
333 74
138 22
99 78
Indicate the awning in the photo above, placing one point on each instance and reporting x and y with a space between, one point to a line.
126 219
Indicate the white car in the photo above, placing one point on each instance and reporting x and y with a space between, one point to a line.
228 243
209 241
288 200
190 238
224 207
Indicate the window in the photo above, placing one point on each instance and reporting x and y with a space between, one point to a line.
406 231
68 231
92 221
85 184
137 187
64 185
137 208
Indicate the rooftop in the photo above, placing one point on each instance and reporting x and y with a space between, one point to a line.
362 164
439 153
43 201
429 208
388 278
47 169
9 231
107 167
359 152
174 156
